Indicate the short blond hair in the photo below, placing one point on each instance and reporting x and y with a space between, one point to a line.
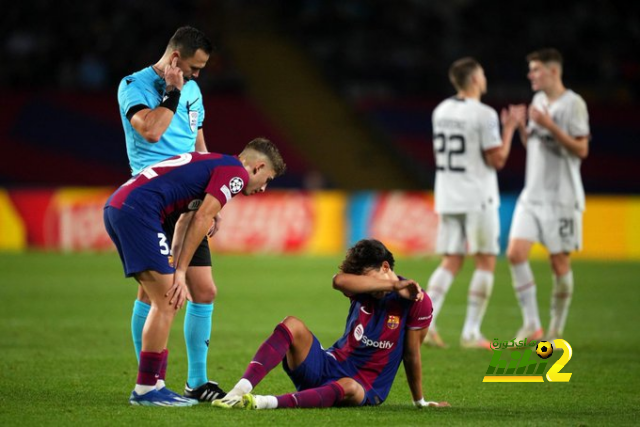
269 150
461 71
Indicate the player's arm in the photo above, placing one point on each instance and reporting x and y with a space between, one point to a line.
193 235
578 146
201 145
353 284
496 157
412 361
152 123
179 232
520 112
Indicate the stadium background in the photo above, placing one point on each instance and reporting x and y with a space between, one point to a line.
346 88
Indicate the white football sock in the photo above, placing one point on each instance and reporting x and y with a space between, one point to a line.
439 284
241 388
143 389
525 288
560 301
160 385
266 402
479 292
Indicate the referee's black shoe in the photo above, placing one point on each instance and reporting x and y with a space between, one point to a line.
207 392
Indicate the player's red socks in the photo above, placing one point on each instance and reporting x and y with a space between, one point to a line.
163 368
269 355
150 367
320 397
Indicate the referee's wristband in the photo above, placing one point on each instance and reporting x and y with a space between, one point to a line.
170 100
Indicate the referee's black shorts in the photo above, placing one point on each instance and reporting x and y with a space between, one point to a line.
202 255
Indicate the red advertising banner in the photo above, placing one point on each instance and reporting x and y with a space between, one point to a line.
405 221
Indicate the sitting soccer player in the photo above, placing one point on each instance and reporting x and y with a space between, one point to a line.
387 321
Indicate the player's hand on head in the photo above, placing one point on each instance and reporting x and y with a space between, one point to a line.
409 289
173 75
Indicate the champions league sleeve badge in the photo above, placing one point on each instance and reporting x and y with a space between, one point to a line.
236 184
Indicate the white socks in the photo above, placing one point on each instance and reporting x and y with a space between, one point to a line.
560 302
477 300
525 289
266 402
143 389
439 284
262 402
241 388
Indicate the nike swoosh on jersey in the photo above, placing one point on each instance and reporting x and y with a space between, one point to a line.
364 311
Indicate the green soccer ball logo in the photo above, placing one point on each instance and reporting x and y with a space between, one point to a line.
544 349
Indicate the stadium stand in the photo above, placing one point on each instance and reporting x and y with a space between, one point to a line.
384 61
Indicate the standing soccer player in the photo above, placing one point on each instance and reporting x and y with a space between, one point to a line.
468 151
549 209
162 114
387 320
198 185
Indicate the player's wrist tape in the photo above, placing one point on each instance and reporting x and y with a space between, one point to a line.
424 403
171 99
420 403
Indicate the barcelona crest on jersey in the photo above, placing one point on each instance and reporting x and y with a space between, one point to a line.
393 322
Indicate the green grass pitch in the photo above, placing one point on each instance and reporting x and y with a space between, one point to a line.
66 356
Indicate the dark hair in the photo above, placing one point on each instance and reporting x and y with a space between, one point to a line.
546 55
269 149
461 70
365 255
187 40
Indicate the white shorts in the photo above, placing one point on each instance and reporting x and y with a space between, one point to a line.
558 228
471 233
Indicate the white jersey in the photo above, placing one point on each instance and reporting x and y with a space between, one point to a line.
553 172
463 129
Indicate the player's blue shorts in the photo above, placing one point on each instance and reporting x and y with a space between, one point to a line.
320 368
142 244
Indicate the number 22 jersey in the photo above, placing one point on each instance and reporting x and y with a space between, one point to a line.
463 129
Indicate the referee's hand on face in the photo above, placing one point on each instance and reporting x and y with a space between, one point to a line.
173 76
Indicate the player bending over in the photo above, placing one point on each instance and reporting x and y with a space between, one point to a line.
386 323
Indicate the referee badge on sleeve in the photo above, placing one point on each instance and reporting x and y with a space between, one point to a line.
193 120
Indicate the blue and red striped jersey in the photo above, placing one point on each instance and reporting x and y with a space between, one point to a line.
372 346
180 183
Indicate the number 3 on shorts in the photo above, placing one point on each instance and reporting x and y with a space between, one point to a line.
164 247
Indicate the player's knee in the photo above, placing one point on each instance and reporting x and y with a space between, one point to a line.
516 256
452 263
294 324
560 264
485 262
352 390
518 251
167 311
204 293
